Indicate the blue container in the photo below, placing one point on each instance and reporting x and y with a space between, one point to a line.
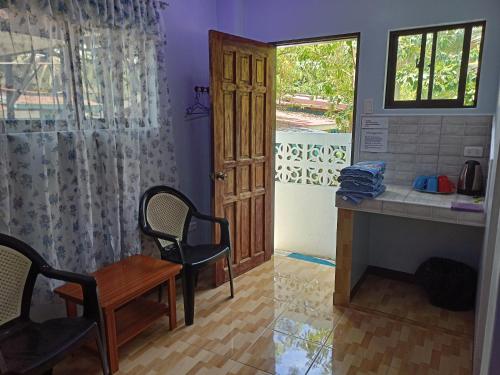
432 184
420 183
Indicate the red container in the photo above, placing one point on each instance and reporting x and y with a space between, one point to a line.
445 185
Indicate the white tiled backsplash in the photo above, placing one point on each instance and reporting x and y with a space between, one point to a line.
432 145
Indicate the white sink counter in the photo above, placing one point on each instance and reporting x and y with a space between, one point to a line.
404 201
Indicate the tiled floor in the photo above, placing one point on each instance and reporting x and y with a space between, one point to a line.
282 320
409 302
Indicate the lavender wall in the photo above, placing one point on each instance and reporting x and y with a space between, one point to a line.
230 16
187 23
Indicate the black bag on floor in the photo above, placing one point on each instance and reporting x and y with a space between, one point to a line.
448 283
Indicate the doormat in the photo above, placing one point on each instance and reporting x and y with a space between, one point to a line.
309 258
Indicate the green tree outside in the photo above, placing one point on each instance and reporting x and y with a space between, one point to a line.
449 46
328 71
322 70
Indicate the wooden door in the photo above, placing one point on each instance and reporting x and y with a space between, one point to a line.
242 91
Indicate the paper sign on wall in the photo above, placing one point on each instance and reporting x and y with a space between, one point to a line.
374 140
375 123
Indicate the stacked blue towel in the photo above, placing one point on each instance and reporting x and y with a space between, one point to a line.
362 180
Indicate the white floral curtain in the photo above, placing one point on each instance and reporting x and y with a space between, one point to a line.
84 126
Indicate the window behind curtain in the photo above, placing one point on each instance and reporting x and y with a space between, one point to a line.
120 69
51 70
34 71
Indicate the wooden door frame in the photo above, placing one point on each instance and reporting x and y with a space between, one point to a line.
332 38
336 37
269 174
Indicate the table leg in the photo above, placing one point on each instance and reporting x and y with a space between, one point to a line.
345 223
172 308
71 310
109 317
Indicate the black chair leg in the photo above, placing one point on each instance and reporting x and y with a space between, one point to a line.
230 270
188 276
196 277
102 355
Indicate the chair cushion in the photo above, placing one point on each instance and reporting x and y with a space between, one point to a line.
27 345
197 255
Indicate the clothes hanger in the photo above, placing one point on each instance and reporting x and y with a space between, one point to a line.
198 109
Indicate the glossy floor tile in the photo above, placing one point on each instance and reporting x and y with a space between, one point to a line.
363 343
410 302
279 353
283 321
426 351
306 325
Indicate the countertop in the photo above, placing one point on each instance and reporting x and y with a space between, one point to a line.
404 201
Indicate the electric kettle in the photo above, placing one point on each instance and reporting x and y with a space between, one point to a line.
470 180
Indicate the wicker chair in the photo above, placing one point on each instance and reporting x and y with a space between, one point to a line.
165 214
27 347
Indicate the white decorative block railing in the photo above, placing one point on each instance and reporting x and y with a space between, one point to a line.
311 158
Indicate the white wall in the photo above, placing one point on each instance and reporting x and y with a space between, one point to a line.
294 19
495 349
305 219
415 241
487 338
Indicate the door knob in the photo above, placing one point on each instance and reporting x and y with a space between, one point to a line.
220 176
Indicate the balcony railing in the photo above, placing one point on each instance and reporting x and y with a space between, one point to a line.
307 170
311 158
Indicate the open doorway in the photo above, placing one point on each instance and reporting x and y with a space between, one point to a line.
315 113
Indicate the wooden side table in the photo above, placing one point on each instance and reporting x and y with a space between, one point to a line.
120 287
